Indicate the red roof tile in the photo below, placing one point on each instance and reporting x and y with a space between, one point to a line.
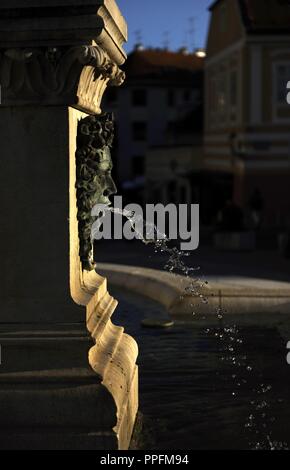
148 61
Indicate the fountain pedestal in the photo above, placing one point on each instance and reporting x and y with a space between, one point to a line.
68 378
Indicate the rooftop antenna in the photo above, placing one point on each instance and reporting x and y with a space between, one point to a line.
138 36
166 40
185 40
191 32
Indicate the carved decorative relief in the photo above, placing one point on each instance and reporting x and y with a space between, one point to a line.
94 182
76 76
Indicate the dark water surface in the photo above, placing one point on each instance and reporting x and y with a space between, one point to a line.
210 384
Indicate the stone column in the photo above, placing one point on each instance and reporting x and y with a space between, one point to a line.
68 378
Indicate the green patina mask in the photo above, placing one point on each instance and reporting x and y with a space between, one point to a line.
94 182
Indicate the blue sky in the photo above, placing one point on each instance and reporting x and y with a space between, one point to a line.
166 21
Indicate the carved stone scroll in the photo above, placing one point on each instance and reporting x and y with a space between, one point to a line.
57 75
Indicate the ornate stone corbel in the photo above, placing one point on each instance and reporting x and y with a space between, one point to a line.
58 75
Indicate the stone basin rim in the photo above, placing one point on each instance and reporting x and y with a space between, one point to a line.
233 294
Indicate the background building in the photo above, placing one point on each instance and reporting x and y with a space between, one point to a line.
161 95
174 168
247 142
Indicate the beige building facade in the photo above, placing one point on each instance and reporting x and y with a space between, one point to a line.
247 117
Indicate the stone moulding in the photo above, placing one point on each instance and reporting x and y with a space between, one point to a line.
24 23
113 356
75 76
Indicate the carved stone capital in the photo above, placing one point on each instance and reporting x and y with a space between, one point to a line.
74 76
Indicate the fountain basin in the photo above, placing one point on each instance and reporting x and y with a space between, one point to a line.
229 293
209 384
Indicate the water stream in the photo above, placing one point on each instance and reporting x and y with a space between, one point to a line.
259 422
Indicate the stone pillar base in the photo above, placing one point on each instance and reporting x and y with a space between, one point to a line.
50 398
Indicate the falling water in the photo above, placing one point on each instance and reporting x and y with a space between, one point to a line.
259 420
175 262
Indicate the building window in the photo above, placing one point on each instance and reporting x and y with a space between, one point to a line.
138 165
218 100
218 86
139 97
282 78
170 98
221 96
233 95
139 131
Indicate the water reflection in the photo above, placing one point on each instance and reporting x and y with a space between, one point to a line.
210 385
